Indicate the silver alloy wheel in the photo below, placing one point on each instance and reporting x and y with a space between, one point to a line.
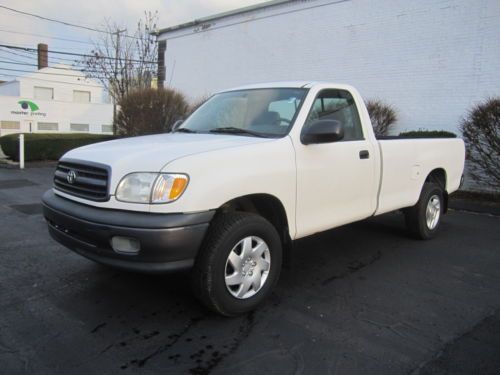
433 212
247 267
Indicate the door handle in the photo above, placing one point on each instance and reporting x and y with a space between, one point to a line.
364 154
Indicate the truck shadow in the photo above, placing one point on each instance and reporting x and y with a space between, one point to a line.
153 320
337 253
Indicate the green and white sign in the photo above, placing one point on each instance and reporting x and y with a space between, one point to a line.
28 108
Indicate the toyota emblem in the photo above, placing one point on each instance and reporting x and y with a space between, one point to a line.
71 177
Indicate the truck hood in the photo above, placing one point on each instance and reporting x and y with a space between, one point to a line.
153 152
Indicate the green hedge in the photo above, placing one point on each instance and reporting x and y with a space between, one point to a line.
41 146
428 134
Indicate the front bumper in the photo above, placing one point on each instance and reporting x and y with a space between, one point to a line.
167 241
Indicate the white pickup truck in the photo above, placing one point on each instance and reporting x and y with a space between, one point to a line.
227 192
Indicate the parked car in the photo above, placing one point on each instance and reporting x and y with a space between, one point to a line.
249 172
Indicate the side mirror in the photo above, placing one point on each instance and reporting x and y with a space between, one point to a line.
323 131
176 125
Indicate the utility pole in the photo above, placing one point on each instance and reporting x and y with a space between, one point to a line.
117 51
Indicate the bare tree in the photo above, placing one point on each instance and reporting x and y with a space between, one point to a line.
382 116
123 61
481 133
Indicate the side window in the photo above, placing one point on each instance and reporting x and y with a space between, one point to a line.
337 105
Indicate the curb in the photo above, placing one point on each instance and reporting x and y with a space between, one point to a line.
33 164
491 208
7 164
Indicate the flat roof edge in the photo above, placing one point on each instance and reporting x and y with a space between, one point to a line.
217 16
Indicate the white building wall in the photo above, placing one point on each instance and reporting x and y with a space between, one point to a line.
53 111
431 59
62 109
63 85
10 88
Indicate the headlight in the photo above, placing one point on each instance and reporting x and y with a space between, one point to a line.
145 187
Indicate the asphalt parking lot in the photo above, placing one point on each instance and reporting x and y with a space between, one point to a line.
364 298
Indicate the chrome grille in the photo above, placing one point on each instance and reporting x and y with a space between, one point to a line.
82 180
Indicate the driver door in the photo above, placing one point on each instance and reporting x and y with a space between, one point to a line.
335 181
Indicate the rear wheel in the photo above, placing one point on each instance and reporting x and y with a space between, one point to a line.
239 263
424 218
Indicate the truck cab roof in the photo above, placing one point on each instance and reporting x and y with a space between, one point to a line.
288 84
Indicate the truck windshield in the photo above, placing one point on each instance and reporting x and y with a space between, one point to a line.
254 112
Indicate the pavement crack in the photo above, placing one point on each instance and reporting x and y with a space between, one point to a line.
161 349
352 267
98 327
106 349
449 344
217 357
7 349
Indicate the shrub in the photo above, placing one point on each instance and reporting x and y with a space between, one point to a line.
382 116
422 133
150 111
40 146
481 133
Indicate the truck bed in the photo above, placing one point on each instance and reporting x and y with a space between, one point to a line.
392 137
406 162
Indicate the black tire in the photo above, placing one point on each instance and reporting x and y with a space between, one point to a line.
415 216
208 274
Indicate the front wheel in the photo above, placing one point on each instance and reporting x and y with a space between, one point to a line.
239 263
424 218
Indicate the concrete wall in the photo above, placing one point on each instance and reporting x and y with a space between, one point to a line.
431 59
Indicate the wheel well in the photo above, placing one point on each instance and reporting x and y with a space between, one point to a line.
267 206
438 176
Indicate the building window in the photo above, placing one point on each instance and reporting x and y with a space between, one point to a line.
107 128
81 96
79 127
10 125
48 126
44 93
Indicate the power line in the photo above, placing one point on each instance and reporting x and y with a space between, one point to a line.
96 45
18 54
10 59
27 49
54 60
33 56
14 62
24 45
47 73
30 45
50 80
46 36
62 60
56 74
61 22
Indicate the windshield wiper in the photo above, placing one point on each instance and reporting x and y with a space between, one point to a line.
184 130
234 130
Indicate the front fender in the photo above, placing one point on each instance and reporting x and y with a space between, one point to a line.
220 176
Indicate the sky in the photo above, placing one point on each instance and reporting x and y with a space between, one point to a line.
91 13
